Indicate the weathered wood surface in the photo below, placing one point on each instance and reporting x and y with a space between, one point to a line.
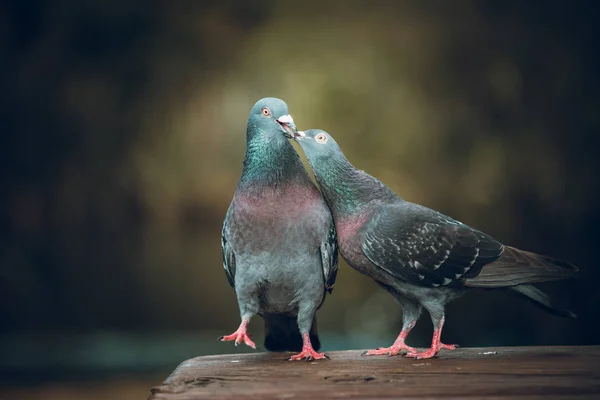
491 373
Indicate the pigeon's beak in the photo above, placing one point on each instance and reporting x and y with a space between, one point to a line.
288 125
298 135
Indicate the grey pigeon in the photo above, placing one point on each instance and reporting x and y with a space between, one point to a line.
422 257
278 240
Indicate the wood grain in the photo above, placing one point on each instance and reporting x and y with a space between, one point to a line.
491 373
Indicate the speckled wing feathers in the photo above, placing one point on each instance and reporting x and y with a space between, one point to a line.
426 248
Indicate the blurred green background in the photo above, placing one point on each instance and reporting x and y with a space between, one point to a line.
123 133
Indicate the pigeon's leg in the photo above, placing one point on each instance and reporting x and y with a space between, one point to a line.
249 306
305 318
436 344
241 335
410 314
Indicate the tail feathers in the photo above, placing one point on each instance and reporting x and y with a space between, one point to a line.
541 299
517 267
282 333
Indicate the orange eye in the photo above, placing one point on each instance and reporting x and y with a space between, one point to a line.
321 138
266 112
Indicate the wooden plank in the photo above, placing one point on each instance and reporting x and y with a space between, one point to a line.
493 373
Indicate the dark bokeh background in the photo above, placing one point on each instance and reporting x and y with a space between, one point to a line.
122 135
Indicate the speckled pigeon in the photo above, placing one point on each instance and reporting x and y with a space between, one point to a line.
278 240
422 257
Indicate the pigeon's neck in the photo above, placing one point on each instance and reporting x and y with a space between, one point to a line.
271 162
349 191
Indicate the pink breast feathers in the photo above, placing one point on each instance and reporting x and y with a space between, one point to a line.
348 232
291 202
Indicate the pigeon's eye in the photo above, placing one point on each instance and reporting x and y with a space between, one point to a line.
266 112
321 138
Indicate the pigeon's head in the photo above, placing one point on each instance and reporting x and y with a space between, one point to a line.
270 116
318 146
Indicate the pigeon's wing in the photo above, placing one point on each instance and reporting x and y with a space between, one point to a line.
329 257
228 254
424 247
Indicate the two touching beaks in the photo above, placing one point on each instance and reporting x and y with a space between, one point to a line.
291 132
287 123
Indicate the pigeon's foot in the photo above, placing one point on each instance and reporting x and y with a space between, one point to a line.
436 345
239 336
398 345
432 352
307 353
390 351
422 355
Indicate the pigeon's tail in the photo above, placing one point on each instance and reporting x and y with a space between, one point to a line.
517 267
282 334
541 299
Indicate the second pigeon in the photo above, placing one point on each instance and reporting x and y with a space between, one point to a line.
422 257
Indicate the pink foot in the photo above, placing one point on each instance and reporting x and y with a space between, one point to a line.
390 351
307 353
422 355
398 345
436 345
432 352
239 336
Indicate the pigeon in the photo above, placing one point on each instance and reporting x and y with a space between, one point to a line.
278 240
424 258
